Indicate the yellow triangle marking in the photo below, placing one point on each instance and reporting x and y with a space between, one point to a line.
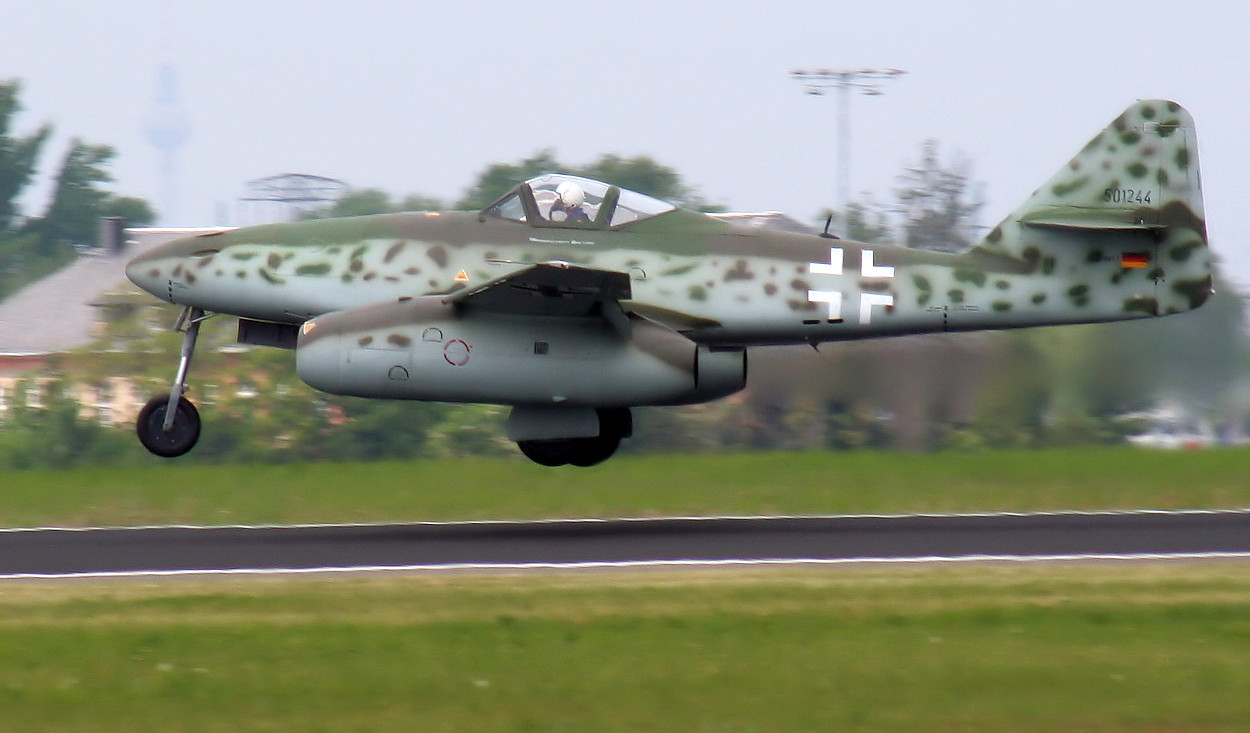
462 277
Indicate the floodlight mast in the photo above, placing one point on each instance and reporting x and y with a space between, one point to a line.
868 82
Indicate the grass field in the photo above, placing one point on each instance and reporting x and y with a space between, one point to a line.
765 483
1087 647
1130 647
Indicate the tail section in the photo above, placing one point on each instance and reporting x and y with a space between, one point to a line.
1122 222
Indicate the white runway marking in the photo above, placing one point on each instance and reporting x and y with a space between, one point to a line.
625 564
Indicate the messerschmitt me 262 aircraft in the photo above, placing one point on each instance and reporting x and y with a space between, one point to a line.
573 300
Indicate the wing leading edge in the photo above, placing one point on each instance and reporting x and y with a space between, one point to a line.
551 289
563 289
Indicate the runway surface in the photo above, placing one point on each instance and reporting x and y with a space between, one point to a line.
580 543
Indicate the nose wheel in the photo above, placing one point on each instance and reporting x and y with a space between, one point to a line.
169 425
179 437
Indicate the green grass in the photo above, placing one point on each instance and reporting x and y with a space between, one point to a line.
1116 647
1125 647
764 483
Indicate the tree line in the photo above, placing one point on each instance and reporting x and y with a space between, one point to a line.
34 246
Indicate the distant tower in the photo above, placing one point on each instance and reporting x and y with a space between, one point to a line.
168 130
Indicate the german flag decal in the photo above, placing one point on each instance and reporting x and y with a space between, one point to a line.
1134 260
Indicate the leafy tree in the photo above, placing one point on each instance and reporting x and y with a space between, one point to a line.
937 204
641 174
136 212
45 245
865 222
77 201
23 258
17 154
417 202
55 432
362 202
366 201
644 175
499 178
378 429
1196 358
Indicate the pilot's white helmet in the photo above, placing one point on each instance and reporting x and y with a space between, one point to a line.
571 194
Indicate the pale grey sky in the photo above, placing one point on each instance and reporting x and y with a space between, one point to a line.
420 97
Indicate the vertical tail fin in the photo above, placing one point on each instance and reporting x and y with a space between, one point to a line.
1132 196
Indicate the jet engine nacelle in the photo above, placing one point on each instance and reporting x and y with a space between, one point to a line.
426 349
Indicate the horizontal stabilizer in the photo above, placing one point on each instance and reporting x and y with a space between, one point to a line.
1070 217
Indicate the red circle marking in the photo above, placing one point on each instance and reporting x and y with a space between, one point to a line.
456 352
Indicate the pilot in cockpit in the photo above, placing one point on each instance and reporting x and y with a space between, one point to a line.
568 204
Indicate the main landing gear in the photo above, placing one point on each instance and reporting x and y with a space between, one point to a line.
169 425
614 424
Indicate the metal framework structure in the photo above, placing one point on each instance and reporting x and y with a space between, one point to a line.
868 82
299 191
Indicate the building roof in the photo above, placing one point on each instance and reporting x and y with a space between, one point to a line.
57 313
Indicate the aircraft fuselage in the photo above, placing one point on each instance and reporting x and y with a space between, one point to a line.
574 300
727 287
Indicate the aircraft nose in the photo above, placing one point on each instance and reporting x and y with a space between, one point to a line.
152 270
145 272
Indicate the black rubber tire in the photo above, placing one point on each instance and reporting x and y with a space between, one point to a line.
181 438
593 451
547 452
614 424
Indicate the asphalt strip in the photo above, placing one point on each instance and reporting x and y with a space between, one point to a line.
636 564
649 563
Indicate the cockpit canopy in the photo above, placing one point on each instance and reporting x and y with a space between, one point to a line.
558 200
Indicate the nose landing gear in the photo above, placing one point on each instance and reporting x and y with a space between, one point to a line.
182 434
169 425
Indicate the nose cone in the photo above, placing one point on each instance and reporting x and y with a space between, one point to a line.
155 268
145 271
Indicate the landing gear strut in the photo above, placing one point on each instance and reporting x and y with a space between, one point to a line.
614 424
169 425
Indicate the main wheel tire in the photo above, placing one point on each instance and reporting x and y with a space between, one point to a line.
547 452
180 438
593 451
614 424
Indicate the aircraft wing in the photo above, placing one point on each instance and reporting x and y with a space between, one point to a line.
551 289
562 289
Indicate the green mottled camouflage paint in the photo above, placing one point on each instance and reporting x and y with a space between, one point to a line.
1053 260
